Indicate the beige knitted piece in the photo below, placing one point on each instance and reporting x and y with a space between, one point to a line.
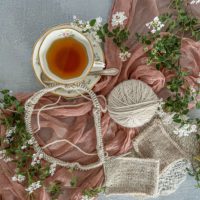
29 107
155 143
190 144
133 176
173 175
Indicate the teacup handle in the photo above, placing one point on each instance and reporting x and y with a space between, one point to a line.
98 65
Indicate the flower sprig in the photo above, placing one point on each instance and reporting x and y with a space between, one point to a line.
118 33
165 54
16 147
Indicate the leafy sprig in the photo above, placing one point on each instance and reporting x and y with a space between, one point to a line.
164 51
93 192
119 34
13 116
165 54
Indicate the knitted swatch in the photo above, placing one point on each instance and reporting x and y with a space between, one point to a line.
155 143
132 176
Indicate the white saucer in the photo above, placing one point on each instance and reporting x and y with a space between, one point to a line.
90 80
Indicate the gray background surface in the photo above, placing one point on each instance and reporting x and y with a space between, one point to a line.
22 22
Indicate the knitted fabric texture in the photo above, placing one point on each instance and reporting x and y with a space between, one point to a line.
155 143
132 176
190 144
132 103
171 178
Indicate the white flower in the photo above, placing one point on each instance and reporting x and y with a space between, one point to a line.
7 159
23 147
195 2
87 26
185 130
31 141
98 23
74 17
9 134
168 118
10 92
6 141
52 169
36 158
19 178
96 37
2 154
124 55
155 25
33 186
4 157
14 178
118 18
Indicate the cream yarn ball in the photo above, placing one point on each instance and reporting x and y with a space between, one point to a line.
132 103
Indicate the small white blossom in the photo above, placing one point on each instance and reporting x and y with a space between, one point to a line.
31 141
118 18
195 2
2 154
6 141
36 158
96 37
19 178
185 130
98 24
168 118
87 26
14 178
4 157
23 147
9 134
10 92
124 55
52 169
33 186
155 25
7 159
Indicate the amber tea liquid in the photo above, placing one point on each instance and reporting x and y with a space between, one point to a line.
67 58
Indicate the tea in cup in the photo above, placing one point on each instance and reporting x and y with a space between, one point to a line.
66 56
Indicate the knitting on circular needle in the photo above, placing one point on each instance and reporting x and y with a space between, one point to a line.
132 103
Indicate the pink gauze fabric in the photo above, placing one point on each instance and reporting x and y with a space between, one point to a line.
76 124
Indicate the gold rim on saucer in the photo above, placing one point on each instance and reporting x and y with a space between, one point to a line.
38 70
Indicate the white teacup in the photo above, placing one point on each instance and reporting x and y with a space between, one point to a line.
63 33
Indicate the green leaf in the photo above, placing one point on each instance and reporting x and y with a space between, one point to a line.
74 181
105 28
92 22
198 105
